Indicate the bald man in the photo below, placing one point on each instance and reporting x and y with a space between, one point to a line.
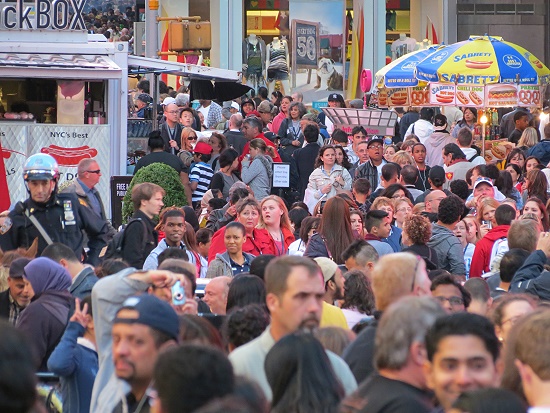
215 294
433 199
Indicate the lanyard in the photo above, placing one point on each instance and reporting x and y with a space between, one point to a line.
279 251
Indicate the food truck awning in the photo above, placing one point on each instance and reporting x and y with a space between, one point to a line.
145 65
227 83
59 66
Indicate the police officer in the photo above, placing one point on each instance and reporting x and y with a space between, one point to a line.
60 216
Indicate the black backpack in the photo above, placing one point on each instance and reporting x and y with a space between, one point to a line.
114 247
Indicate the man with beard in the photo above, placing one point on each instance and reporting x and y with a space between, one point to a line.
334 290
295 292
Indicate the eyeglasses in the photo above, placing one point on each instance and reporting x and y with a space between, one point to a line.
512 320
97 171
173 112
375 147
452 300
192 138
407 209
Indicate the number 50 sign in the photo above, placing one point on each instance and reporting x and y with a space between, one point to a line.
305 51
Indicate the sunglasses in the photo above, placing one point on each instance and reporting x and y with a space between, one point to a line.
192 138
97 171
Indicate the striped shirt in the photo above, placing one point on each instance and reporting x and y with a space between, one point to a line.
201 173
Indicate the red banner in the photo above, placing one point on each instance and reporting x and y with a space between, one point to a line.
4 191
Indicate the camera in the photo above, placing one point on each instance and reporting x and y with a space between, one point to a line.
178 294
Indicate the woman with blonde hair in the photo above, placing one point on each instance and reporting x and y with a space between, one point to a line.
528 139
189 139
403 158
486 215
274 218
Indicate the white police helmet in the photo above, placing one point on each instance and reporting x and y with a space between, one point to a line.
40 167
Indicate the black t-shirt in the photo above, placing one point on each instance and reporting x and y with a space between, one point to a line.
382 395
162 157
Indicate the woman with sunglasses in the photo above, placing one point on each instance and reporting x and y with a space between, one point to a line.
188 142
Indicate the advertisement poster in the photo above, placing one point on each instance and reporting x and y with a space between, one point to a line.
318 43
419 95
502 96
529 95
470 96
398 97
442 94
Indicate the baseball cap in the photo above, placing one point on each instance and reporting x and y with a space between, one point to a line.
17 267
203 148
375 139
437 173
328 267
168 100
152 312
145 98
336 97
483 180
440 122
235 105
265 107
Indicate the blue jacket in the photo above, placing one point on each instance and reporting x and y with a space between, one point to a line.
532 278
394 239
77 366
541 151
83 283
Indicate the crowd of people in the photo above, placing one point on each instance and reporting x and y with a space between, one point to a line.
404 276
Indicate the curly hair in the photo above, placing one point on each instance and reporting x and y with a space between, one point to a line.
244 324
450 209
418 229
358 292
382 201
345 162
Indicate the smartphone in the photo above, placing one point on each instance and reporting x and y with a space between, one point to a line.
178 294
488 223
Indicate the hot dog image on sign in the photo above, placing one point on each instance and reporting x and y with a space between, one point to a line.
69 156
442 94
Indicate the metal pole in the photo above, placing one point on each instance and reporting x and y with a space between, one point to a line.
151 28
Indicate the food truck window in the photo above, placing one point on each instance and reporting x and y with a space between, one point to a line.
53 101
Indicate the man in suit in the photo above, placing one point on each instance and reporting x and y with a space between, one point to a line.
170 130
305 157
234 136
19 293
83 276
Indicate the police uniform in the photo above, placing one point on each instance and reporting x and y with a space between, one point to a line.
63 218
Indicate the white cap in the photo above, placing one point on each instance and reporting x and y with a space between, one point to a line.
168 100
235 105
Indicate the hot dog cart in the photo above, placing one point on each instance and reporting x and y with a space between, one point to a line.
65 92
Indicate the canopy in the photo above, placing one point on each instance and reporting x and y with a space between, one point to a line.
401 72
58 66
482 60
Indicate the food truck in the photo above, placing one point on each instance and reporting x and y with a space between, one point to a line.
64 92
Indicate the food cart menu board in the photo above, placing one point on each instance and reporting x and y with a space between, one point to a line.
495 96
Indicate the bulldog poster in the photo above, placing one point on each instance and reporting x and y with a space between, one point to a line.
318 47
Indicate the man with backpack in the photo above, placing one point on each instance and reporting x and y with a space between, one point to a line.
140 237
464 142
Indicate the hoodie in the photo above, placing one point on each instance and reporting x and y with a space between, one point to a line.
434 146
541 150
448 248
422 128
470 153
484 248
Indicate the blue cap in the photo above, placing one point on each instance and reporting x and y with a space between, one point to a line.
152 312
